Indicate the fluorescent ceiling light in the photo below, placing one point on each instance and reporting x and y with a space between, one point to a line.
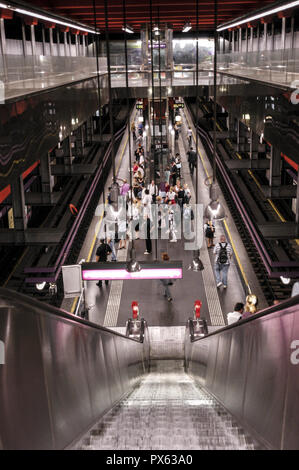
187 26
128 29
52 19
287 6
124 275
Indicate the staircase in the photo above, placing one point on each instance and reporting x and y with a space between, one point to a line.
167 410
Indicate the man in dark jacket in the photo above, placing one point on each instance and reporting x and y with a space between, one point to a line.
191 160
102 252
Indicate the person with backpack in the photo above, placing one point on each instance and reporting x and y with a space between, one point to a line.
102 253
209 229
223 252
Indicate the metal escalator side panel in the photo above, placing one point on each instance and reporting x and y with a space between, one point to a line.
61 374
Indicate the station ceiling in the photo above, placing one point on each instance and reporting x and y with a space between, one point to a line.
175 12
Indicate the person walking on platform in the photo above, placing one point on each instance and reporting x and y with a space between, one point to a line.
102 252
191 160
166 282
236 315
223 252
189 136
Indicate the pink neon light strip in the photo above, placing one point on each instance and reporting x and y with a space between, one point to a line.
123 275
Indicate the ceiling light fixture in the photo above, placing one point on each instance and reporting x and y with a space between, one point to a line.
187 26
128 29
54 19
272 11
285 280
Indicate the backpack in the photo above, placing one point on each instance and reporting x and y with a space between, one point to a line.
222 258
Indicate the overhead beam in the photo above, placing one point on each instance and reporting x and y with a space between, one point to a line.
279 230
235 165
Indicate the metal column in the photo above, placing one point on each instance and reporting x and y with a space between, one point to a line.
251 39
272 37
240 40
45 174
65 43
33 44
51 41
254 145
2 37
265 36
283 33
18 204
275 168
44 39
24 44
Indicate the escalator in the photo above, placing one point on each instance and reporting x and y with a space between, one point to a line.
167 399
69 384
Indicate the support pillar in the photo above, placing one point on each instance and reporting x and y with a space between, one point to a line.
283 33
251 39
231 126
258 38
18 204
24 39
233 41
86 45
240 40
58 42
265 36
70 43
76 45
51 41
246 39
65 43
44 39
45 174
238 135
292 45
33 43
2 37
275 168
68 159
272 37
254 145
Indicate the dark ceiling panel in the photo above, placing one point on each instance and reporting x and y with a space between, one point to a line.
176 12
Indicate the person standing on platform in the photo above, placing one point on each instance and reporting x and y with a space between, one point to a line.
167 174
209 229
102 253
166 282
133 129
191 160
223 252
174 174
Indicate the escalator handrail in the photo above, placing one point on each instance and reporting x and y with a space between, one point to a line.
50 309
263 313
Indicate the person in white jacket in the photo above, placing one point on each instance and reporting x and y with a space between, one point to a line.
236 315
